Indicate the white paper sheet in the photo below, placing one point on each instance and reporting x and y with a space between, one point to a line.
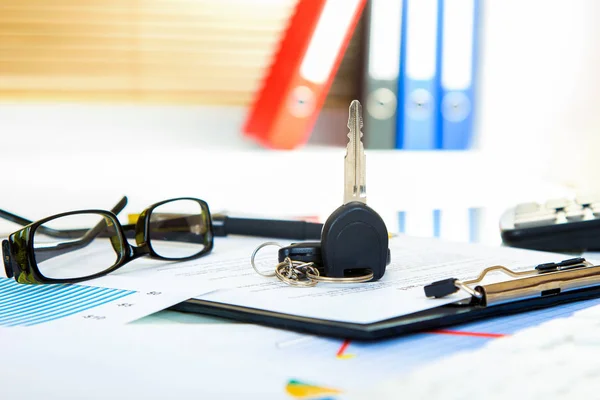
415 262
143 362
32 305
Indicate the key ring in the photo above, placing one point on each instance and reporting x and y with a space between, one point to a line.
270 274
300 273
288 272
354 279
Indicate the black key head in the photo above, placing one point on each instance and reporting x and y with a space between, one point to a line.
354 239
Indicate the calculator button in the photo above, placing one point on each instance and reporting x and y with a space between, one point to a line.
534 222
574 212
595 209
542 213
588 214
557 204
561 217
526 208
535 219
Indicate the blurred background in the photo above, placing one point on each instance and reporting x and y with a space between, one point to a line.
152 98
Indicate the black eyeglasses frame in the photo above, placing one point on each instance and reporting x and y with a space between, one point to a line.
19 256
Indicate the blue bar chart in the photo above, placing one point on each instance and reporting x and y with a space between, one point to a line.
28 305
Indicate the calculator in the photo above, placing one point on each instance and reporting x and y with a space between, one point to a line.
559 225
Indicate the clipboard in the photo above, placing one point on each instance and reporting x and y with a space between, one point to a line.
547 285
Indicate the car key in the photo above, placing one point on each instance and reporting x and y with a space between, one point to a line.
354 237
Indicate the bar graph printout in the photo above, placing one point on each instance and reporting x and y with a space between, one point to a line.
29 305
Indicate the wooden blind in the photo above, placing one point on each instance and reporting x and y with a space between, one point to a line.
166 51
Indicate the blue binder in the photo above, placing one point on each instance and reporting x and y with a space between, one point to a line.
417 126
458 68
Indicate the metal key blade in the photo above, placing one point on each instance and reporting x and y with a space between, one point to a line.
354 162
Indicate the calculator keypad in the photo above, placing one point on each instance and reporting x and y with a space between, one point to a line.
557 211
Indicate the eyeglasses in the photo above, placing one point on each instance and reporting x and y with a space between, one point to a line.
80 245
176 230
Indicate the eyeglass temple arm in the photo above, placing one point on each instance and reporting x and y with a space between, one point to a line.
69 234
95 231
54 250
57 233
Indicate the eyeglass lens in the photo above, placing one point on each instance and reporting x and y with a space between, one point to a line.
78 257
179 228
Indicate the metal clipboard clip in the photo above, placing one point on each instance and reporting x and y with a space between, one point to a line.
544 280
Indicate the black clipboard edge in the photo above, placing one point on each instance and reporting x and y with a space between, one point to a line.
434 318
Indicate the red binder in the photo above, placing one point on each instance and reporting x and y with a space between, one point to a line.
287 105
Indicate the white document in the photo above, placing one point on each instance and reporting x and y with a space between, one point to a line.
144 362
415 262
34 305
226 276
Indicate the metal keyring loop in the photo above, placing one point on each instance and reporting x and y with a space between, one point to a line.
283 271
254 256
354 279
